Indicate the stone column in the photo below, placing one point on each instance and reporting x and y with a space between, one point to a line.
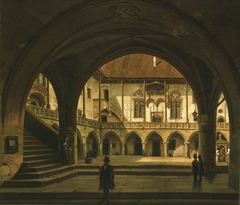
207 141
72 143
110 148
85 149
100 149
144 151
165 147
187 153
123 149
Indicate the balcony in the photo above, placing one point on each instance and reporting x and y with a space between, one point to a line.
53 115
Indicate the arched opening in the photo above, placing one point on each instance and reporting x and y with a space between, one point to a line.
111 144
167 34
176 145
91 145
106 146
133 145
154 145
194 145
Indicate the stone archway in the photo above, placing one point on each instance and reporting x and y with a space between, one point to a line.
154 145
168 30
176 145
133 145
111 144
92 145
194 145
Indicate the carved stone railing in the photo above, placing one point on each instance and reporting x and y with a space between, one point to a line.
109 125
88 122
43 112
52 114
222 126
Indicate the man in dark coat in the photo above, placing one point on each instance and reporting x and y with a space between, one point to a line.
65 150
201 168
195 168
106 177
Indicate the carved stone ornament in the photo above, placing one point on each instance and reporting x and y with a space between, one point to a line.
124 11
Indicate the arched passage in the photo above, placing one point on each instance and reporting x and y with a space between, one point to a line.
194 144
133 145
154 145
201 52
176 145
92 145
111 144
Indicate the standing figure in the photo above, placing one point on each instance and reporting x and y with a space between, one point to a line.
64 150
195 168
228 156
218 155
201 169
106 177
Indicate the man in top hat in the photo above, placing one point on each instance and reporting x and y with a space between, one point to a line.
106 177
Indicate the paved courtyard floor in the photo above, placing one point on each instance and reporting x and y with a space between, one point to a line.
133 189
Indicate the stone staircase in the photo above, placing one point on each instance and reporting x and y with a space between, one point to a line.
41 166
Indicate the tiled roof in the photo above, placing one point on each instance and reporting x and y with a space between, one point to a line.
139 66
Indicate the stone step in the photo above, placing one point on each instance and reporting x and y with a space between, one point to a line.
38 151
42 167
132 171
40 182
34 163
32 142
40 157
162 166
45 173
94 201
35 147
121 194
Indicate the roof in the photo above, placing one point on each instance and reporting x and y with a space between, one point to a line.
139 66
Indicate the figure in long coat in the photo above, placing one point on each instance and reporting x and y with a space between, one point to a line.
65 151
106 179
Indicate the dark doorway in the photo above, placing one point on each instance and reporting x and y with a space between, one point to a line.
95 148
156 148
106 146
138 146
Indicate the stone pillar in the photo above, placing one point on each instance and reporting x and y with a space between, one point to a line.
100 153
187 153
144 151
165 147
85 150
110 148
123 149
207 141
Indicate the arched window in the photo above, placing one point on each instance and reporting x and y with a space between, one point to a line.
175 105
